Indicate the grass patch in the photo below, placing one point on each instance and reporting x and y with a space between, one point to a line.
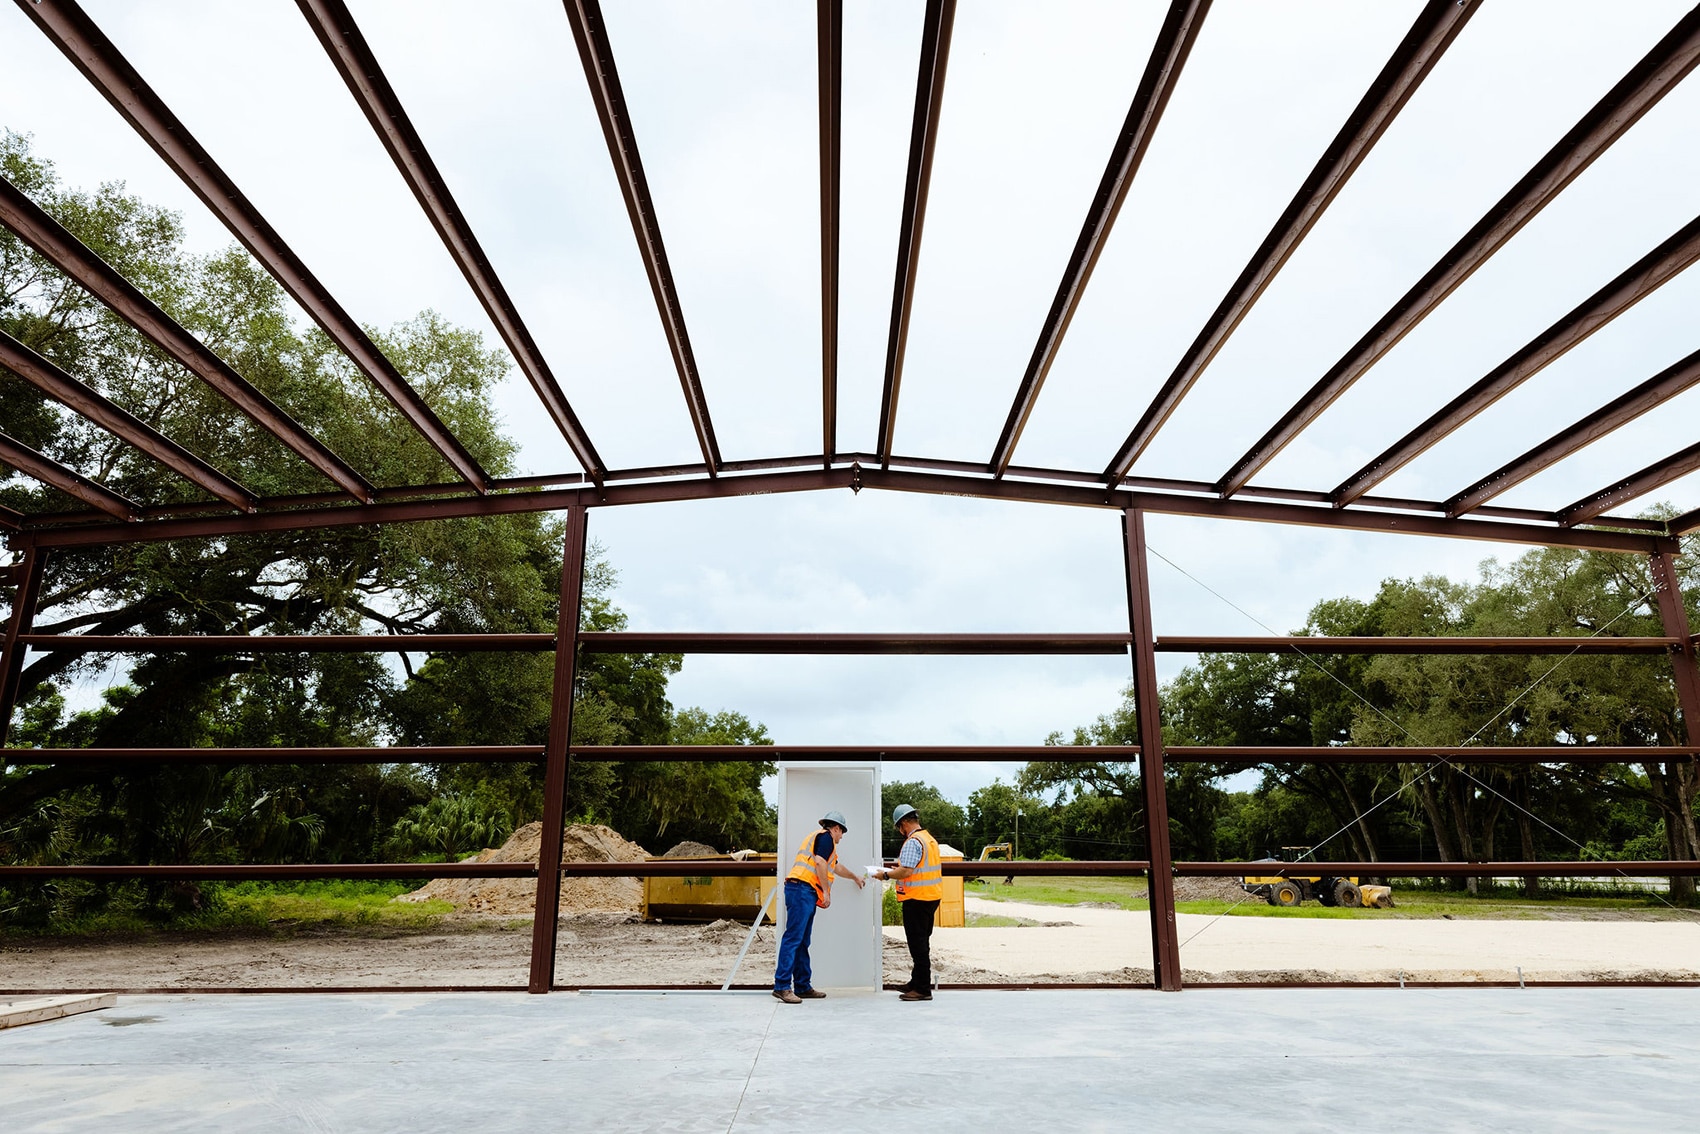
1411 902
993 921
260 907
1107 893
333 903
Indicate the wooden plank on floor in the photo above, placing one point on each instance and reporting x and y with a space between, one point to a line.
16 1013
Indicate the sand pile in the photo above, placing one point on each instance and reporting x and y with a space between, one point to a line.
500 897
689 849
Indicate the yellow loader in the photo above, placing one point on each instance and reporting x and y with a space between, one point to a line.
1292 889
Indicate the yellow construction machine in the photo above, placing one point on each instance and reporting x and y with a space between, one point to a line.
1287 890
993 851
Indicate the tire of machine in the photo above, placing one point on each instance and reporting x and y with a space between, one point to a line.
1347 896
1285 894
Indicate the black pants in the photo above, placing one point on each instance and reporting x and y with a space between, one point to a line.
918 930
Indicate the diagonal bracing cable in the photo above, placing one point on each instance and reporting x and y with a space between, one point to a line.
1439 761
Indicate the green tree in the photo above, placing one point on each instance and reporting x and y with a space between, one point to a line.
946 821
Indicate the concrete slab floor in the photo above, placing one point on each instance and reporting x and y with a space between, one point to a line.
1593 1059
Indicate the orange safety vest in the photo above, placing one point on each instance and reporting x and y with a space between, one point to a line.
927 883
803 866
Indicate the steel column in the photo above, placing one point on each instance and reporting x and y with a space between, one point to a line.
596 53
1674 614
1655 391
829 27
923 134
544 922
106 69
1433 32
24 600
1165 941
1162 72
1655 76
355 62
1631 286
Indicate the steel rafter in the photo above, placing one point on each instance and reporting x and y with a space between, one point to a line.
69 481
106 69
69 392
1685 523
355 62
1468 754
596 52
829 28
1656 475
1634 284
27 576
855 478
923 136
1162 72
1655 391
48 237
1655 76
1412 61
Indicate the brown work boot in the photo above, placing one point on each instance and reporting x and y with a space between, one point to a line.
811 994
786 996
911 994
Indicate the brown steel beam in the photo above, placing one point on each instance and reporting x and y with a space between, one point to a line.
835 477
286 643
48 237
1165 941
69 481
695 753
1616 413
649 642
256 872
1634 284
24 599
1643 869
1368 754
1685 523
829 55
923 135
1321 644
358 66
1354 519
105 67
1673 612
1436 26
500 753
1658 73
614 495
1162 73
558 757
1654 476
940 752
596 53
437 754
67 391
11 518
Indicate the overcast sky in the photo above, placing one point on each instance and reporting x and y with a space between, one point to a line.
723 100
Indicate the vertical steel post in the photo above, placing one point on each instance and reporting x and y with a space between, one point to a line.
23 617
1675 618
544 921
1165 941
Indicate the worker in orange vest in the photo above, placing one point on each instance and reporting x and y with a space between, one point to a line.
808 888
920 887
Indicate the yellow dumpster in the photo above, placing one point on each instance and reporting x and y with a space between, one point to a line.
705 897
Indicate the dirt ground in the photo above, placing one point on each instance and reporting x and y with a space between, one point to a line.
1054 944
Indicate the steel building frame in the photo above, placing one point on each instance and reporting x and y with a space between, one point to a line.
233 511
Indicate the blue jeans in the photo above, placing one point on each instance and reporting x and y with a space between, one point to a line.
793 968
